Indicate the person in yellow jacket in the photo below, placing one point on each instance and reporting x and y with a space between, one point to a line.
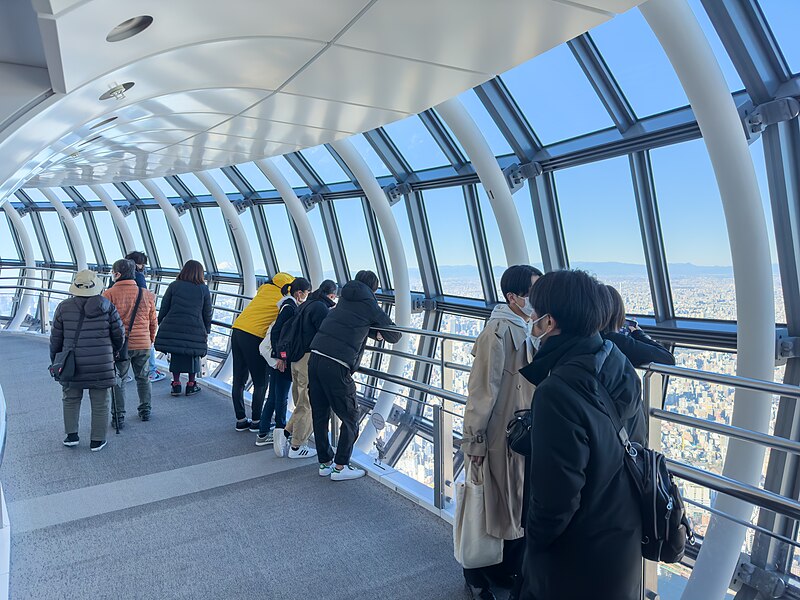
249 330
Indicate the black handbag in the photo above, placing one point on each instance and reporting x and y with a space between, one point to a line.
518 432
62 368
122 355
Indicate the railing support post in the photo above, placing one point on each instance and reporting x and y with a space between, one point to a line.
442 458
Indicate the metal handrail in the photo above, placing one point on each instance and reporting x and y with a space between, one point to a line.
415 385
429 333
418 358
34 289
747 383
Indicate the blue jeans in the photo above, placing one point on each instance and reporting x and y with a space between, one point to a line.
277 400
152 364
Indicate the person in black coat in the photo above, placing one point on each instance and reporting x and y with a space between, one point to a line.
626 334
184 322
280 378
99 337
583 527
336 352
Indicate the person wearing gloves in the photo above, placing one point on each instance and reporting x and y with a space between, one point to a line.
248 331
496 390
89 323
336 352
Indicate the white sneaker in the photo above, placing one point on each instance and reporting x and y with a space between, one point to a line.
347 473
157 376
325 470
302 452
281 445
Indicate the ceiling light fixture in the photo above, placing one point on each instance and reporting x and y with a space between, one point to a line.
117 92
103 122
129 28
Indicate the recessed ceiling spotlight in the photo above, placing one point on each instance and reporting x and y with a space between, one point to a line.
103 122
129 28
117 92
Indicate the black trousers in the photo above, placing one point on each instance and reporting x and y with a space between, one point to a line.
331 388
487 577
247 361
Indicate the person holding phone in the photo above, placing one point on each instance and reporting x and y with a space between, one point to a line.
635 344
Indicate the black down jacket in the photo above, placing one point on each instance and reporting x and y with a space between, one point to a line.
310 316
343 333
101 336
583 527
640 348
184 319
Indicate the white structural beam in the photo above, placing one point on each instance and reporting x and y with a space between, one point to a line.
492 178
397 258
73 235
693 60
117 218
173 220
27 299
299 216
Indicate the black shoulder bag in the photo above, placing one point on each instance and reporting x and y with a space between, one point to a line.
665 526
123 355
63 367
518 432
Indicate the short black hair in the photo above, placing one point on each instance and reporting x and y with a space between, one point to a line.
575 299
328 287
299 284
517 280
140 258
368 278
124 267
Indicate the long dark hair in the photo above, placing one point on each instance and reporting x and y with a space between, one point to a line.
326 288
192 272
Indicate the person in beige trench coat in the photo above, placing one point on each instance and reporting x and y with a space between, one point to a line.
496 390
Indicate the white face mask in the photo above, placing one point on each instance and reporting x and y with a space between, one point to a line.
537 340
526 308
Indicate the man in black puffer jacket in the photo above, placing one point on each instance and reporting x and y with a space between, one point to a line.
336 352
583 529
100 337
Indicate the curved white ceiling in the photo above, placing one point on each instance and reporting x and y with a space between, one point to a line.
219 83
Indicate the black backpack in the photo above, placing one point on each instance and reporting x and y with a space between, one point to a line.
665 526
291 338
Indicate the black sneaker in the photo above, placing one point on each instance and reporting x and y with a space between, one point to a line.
243 425
191 388
255 426
480 593
71 440
96 446
144 416
176 389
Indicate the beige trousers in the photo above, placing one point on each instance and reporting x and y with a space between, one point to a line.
300 425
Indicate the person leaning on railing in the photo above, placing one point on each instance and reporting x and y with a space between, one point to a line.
626 334
95 323
496 391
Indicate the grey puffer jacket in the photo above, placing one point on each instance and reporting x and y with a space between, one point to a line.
101 337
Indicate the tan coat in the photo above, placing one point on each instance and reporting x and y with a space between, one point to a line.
123 295
496 390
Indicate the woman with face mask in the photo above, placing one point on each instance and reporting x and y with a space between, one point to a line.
496 391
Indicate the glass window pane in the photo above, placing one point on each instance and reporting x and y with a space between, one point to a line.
556 114
783 17
416 143
80 222
62 195
646 76
282 238
188 227
165 187
252 239
315 218
598 209
367 152
113 191
139 189
257 180
324 164
87 193
191 181
353 227
524 204
724 60
288 171
165 248
222 181
497 254
133 225
695 236
36 195
476 109
37 249
401 216
8 250
108 235
219 239
452 242
417 460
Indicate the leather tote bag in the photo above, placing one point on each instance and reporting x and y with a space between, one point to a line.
472 546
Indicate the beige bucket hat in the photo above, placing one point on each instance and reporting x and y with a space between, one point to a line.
86 283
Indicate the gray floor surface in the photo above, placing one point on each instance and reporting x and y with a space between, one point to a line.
283 535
